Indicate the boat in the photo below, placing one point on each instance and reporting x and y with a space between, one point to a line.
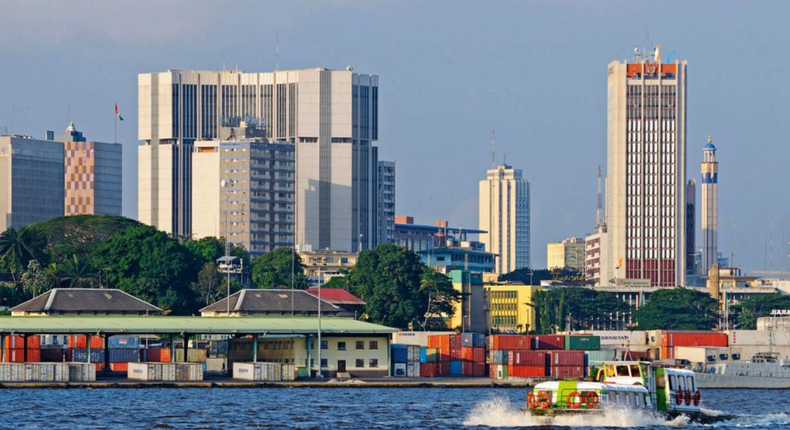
625 384
763 370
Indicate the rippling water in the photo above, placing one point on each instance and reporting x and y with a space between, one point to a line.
342 408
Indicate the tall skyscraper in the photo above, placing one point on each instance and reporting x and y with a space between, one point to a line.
93 175
504 215
331 116
710 207
646 170
245 190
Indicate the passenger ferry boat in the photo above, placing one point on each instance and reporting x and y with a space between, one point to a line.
626 384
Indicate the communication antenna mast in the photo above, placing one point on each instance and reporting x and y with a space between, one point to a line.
771 248
599 212
493 147
277 53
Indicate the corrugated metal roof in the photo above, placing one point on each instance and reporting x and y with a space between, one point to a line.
337 296
274 300
192 325
85 300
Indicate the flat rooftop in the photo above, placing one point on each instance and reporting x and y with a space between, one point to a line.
192 325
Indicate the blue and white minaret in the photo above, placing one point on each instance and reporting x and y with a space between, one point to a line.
710 207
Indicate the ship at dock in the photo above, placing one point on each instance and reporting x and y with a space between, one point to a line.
764 370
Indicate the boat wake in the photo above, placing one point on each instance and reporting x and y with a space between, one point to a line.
760 421
500 412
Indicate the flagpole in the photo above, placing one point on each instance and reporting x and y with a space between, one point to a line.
115 123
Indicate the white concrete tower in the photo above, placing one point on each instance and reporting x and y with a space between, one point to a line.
504 214
710 207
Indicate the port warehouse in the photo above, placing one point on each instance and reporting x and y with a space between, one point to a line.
277 339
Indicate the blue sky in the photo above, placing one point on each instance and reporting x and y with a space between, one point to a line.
448 71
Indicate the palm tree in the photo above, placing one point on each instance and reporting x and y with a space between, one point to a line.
18 247
54 274
438 287
78 273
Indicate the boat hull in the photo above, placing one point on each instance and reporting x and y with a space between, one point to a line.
712 380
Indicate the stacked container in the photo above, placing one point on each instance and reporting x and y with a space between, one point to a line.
15 349
672 339
526 364
566 364
155 355
500 346
473 354
448 347
166 371
429 358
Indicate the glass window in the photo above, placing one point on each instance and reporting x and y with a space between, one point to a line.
324 344
690 382
374 362
622 371
635 371
681 383
341 346
360 362
323 362
360 344
373 344
672 383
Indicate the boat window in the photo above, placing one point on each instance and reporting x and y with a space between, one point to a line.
635 370
622 399
639 399
681 383
690 382
672 383
610 370
622 371
661 382
612 397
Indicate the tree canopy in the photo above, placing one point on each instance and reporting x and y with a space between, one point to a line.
274 269
678 309
749 309
573 308
534 276
80 234
391 281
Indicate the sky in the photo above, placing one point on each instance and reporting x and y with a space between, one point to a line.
448 72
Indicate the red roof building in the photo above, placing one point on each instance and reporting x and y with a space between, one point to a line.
341 298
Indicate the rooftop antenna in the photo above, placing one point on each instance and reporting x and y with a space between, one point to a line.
277 53
771 248
493 147
732 240
599 211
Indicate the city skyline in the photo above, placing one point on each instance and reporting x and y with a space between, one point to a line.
531 117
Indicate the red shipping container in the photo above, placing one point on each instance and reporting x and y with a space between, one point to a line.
526 371
492 371
15 342
99 367
444 354
504 342
158 355
443 368
567 372
119 367
473 354
527 358
17 355
566 358
694 339
79 341
428 370
667 352
470 368
548 342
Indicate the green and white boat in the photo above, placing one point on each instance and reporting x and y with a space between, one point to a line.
622 384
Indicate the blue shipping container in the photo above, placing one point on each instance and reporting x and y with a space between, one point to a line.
124 355
456 368
400 355
125 341
81 355
399 346
473 340
423 355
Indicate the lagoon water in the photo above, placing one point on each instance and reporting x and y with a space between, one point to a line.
344 408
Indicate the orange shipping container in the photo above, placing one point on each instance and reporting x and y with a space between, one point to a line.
526 371
510 341
17 355
79 341
119 367
15 342
667 352
670 339
157 355
473 354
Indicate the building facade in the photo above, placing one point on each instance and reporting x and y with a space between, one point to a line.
646 170
568 254
423 237
595 264
710 207
386 202
504 215
93 175
330 116
31 184
471 312
245 190
511 307
322 265
692 275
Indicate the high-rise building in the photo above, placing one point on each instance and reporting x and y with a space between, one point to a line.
568 254
245 190
31 181
710 207
691 204
331 116
93 175
646 170
386 202
504 215
595 265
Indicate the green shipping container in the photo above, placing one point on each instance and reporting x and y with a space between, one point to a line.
302 372
582 343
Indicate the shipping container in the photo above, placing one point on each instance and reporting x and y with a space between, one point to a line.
124 341
672 339
399 370
758 338
166 371
431 355
81 372
470 368
442 368
302 372
52 355
598 356
79 341
498 357
428 370
510 342
567 372
473 340
119 367
526 371
443 354
400 355
527 358
18 355
413 353
124 355
81 355
46 372
195 355
12 372
473 354
413 370
548 342
419 338
456 368
270 372
289 372
449 344
500 371
566 358
157 355
582 343
16 341
622 338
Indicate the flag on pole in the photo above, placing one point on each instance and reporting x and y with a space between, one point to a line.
118 113
658 53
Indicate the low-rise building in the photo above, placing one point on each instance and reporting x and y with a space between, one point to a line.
84 301
568 254
323 265
511 308
465 256
420 237
352 305
471 312
596 265
273 302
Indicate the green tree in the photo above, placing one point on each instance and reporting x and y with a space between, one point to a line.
18 247
78 272
208 284
148 264
341 282
533 277
206 250
80 234
35 279
756 306
441 298
388 278
274 269
575 308
54 274
678 309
